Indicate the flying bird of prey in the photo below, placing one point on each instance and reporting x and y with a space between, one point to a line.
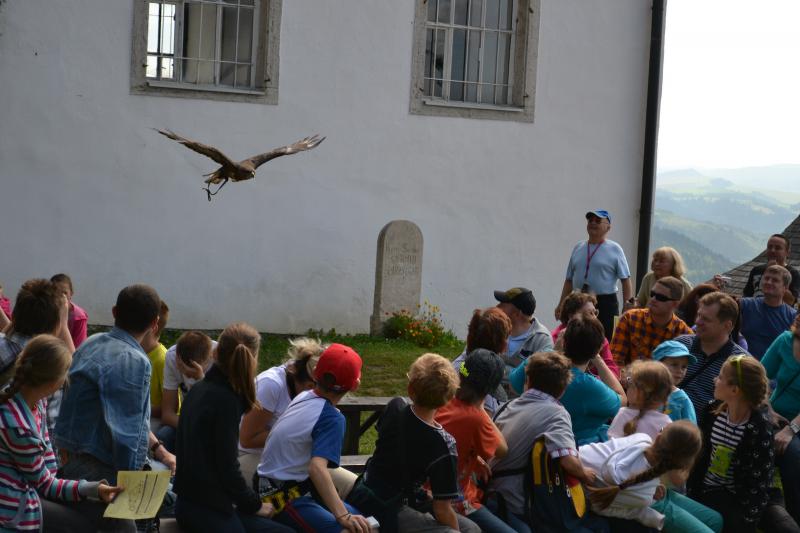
243 170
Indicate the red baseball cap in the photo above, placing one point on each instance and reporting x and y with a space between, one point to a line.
343 364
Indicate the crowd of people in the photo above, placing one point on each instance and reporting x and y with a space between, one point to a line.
679 411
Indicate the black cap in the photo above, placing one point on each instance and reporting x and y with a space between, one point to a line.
483 370
519 297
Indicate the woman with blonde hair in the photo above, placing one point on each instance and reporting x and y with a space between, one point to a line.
666 261
275 388
212 493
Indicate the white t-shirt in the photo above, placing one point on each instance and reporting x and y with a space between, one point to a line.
272 392
651 423
173 379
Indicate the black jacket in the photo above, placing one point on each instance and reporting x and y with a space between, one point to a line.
753 462
207 448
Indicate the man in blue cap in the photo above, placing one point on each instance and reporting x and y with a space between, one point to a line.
595 266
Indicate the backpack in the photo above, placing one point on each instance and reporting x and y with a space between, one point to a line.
554 501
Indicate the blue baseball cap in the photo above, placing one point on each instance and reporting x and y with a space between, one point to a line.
672 349
600 213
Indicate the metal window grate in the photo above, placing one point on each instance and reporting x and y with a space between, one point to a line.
468 50
202 42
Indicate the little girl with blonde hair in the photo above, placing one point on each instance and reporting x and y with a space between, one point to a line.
649 387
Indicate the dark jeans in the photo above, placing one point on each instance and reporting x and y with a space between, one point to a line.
63 517
193 517
167 434
607 309
775 518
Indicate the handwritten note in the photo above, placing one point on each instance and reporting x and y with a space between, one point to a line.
142 497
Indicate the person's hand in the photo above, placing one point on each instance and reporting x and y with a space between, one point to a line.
589 476
193 370
661 491
107 493
720 281
267 510
782 440
167 458
627 306
484 471
353 522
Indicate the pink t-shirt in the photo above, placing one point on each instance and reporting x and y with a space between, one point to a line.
77 324
605 351
5 305
651 423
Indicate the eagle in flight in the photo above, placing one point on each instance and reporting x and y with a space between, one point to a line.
243 170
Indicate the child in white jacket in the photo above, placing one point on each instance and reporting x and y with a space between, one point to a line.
628 470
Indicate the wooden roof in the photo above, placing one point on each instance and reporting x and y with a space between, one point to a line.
740 273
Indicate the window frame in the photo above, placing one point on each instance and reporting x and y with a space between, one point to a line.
522 71
266 35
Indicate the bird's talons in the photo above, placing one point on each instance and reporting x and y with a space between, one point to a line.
210 194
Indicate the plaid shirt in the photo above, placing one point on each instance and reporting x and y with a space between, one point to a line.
636 335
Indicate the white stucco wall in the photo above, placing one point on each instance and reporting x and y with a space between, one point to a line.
86 186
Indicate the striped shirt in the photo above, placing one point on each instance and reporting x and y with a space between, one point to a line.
27 467
698 383
725 438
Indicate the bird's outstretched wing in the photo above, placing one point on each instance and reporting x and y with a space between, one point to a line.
305 144
208 151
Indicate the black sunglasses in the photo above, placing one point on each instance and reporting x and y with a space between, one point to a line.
660 297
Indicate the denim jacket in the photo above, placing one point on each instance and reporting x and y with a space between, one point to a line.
105 411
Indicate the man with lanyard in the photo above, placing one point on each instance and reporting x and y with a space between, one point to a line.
712 345
594 266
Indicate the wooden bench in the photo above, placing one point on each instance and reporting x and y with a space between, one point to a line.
352 407
354 463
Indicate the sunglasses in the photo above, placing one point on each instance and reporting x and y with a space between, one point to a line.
661 297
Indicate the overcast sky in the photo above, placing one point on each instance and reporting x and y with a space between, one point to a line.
731 84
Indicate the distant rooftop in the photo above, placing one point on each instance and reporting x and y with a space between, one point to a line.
740 273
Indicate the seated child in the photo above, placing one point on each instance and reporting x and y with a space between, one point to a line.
156 352
676 357
214 496
628 471
537 413
30 491
304 441
413 449
477 438
734 474
649 386
275 388
184 365
78 319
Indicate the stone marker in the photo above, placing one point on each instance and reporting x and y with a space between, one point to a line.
398 272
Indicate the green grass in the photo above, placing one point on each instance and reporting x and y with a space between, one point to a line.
386 361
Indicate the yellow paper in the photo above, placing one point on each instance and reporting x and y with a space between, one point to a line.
142 497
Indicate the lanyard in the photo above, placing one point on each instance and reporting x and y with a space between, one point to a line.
589 258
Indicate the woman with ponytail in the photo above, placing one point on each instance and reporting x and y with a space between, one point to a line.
734 474
628 472
28 484
649 387
212 493
275 388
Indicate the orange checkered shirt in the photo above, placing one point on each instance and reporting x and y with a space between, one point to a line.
636 336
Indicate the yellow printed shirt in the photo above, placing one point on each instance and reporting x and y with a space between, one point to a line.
157 358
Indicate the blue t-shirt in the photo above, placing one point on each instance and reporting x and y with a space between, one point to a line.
608 264
590 403
761 323
679 407
310 427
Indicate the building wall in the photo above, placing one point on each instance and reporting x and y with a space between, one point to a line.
88 188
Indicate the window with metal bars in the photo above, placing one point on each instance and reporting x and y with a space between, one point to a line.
202 42
468 50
